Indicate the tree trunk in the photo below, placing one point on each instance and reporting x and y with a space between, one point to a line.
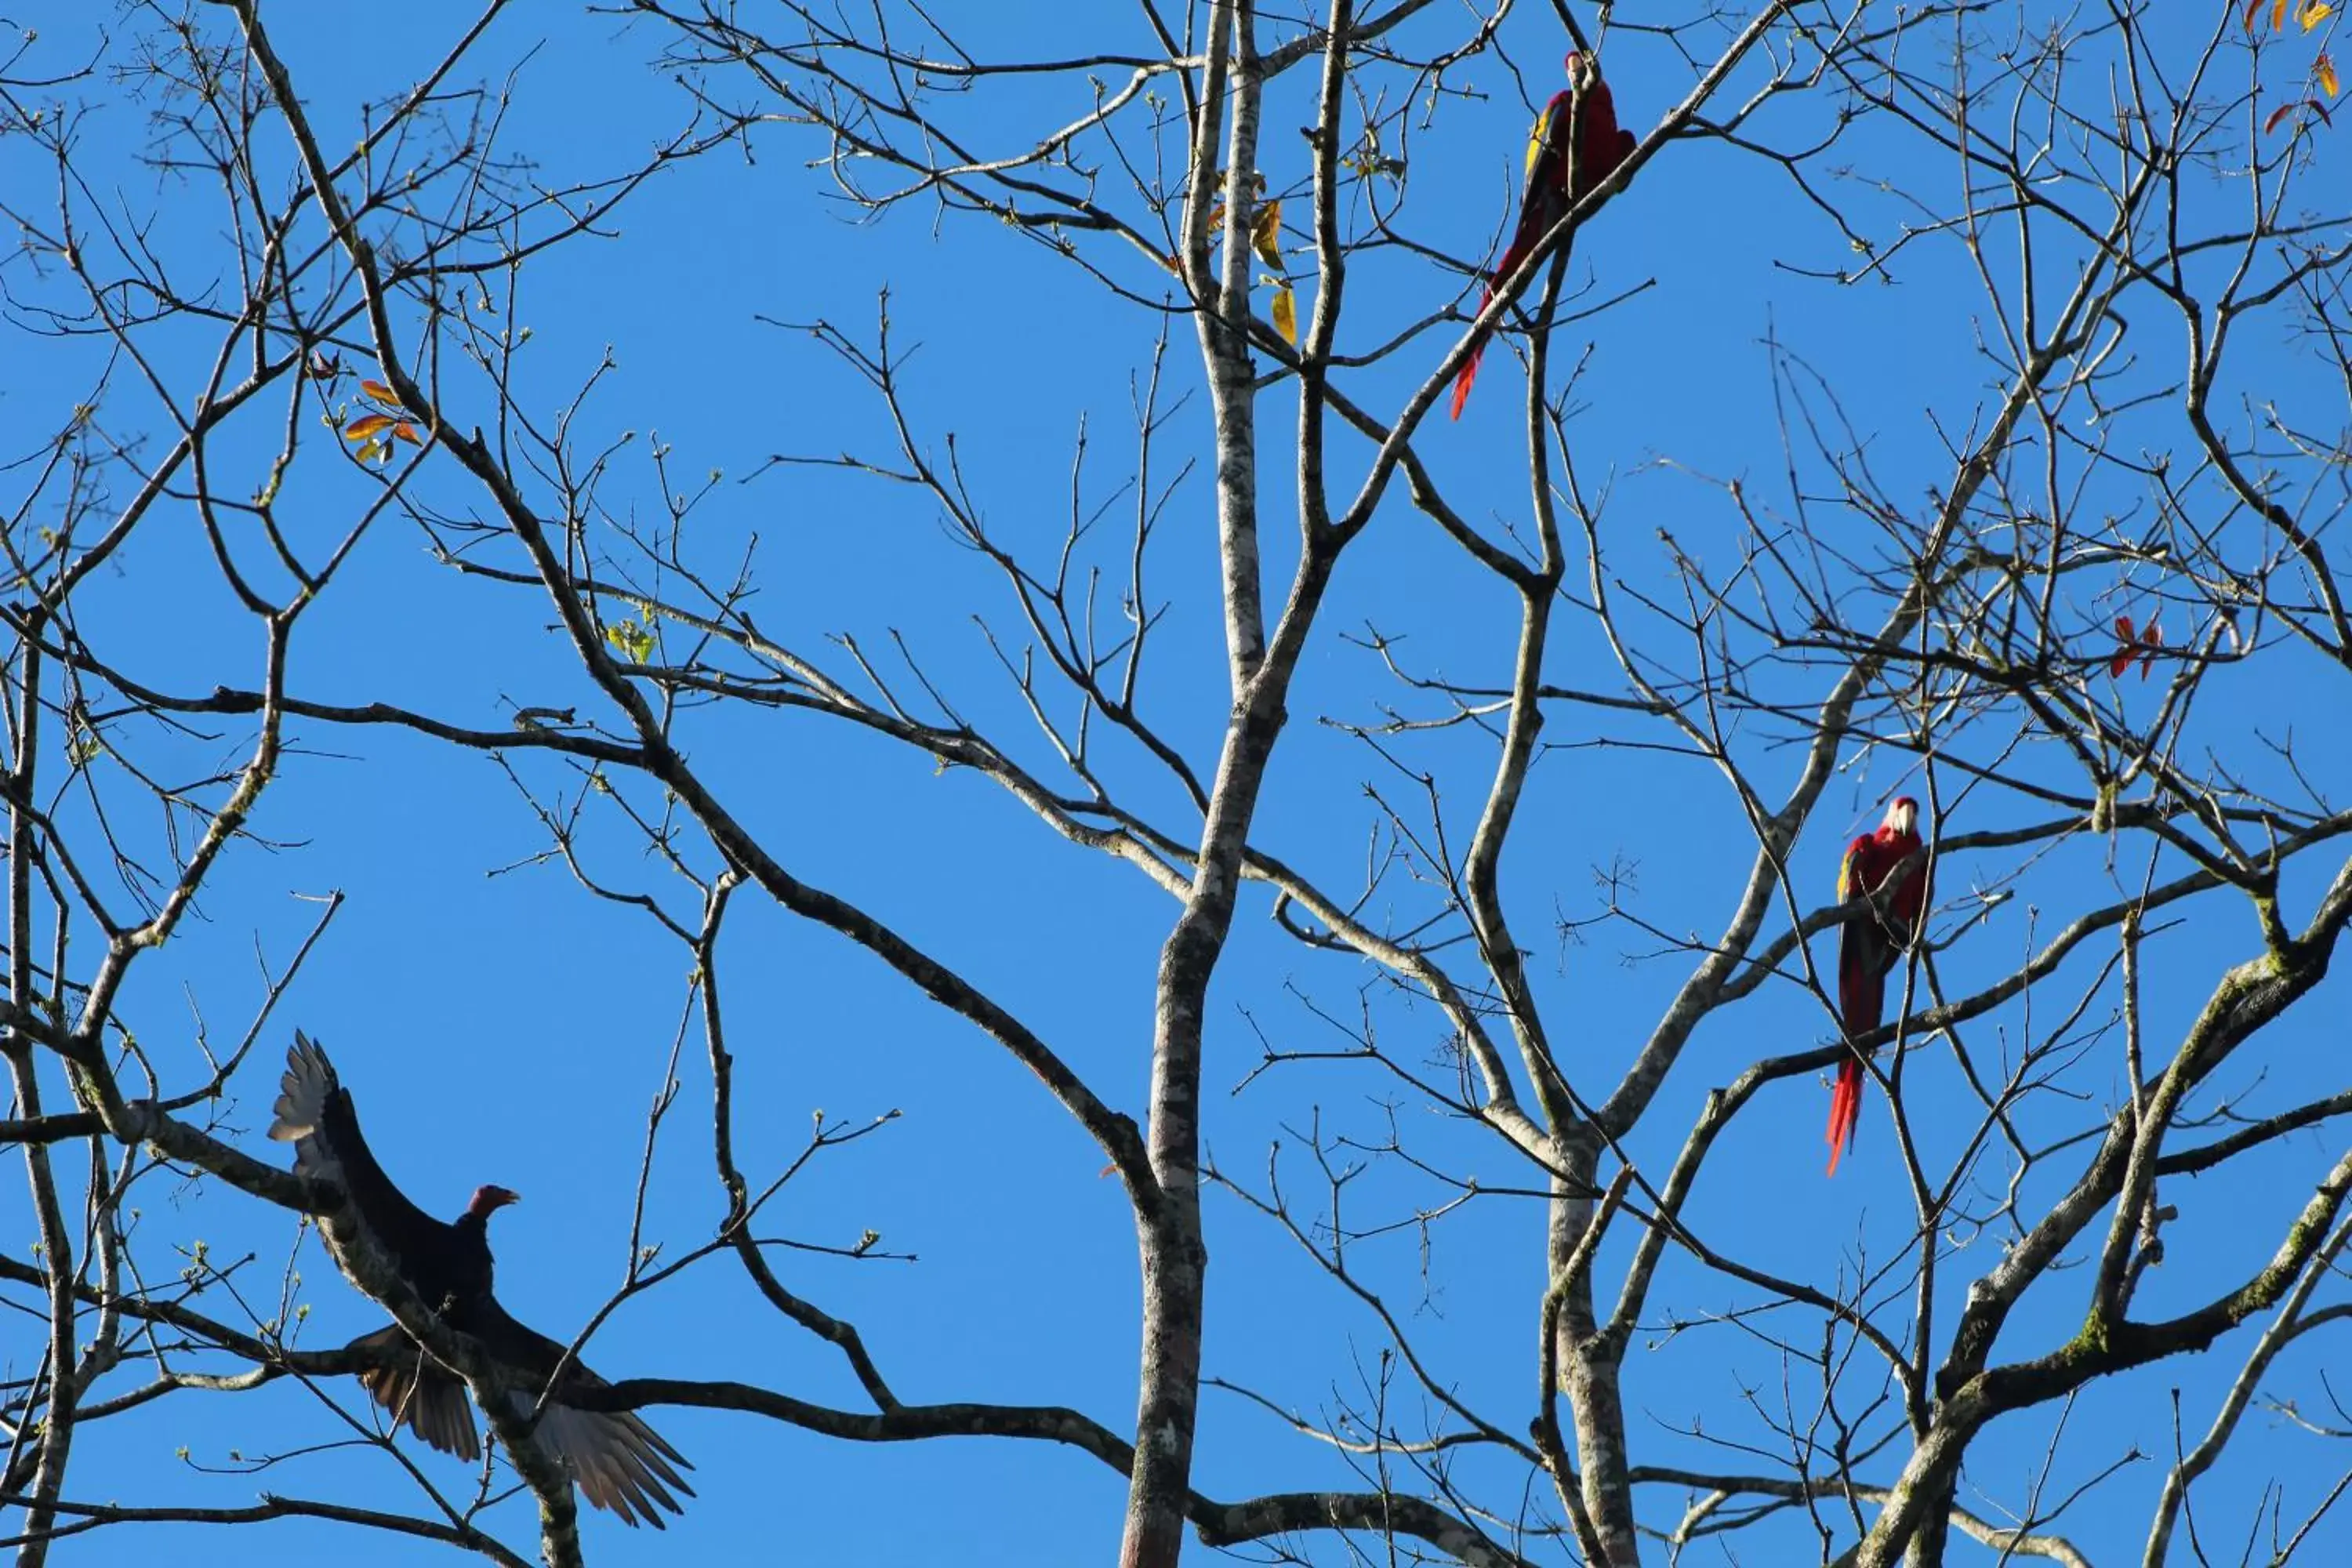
1588 1368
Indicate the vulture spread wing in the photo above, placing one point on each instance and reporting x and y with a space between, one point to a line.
620 1464
447 1265
414 1389
623 1466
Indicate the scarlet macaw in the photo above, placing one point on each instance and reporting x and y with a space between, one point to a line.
1600 147
1868 946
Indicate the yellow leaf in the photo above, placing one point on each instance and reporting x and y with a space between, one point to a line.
2313 12
1265 232
1285 315
367 425
2324 69
631 640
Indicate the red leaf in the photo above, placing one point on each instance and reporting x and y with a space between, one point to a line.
406 432
2120 660
2281 112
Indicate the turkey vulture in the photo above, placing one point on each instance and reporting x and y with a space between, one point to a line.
446 1263
621 1464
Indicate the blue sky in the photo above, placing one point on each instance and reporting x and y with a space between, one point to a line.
508 1027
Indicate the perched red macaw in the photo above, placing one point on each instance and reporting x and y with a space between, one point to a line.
1868 946
1600 147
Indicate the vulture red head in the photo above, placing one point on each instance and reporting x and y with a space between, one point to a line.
491 1198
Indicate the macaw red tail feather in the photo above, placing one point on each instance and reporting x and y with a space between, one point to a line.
1462 383
1513 254
1478 350
1845 1110
1861 998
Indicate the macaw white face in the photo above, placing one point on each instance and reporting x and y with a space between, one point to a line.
1579 71
1903 817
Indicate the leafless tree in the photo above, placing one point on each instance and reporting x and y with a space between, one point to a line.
2059 558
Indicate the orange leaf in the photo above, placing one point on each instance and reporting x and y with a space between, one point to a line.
407 432
368 425
378 391
2278 15
2324 69
2281 112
